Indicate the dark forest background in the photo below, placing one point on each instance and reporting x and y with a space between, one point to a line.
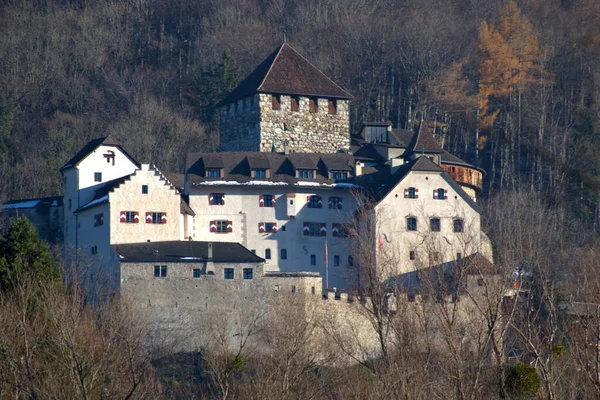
512 87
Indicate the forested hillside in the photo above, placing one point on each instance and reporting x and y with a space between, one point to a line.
513 87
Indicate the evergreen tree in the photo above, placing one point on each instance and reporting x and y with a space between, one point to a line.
24 256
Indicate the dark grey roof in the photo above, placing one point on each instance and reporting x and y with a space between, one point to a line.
292 274
39 202
185 208
367 152
93 145
213 160
184 252
258 160
402 137
423 141
424 164
285 71
237 169
176 179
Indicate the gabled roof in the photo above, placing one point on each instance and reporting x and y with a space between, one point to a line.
285 71
93 145
424 164
424 142
184 252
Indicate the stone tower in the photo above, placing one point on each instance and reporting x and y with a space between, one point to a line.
286 100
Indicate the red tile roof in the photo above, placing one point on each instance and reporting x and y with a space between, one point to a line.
285 71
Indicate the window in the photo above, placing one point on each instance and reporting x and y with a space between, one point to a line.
128 217
315 202
196 272
440 194
434 224
339 175
335 203
313 228
267 200
459 256
94 250
313 259
269 226
306 174
276 102
160 271
313 105
247 273
458 225
259 173
144 189
70 204
293 288
159 218
221 226
267 254
253 251
312 290
213 172
412 255
284 254
350 261
216 199
98 219
228 273
411 224
336 261
332 106
340 230
97 176
376 134
411 193
295 103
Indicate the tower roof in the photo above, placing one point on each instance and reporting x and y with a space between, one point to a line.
424 141
285 71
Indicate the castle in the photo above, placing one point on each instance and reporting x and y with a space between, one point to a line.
272 212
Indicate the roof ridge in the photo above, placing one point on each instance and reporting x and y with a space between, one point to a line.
271 66
309 63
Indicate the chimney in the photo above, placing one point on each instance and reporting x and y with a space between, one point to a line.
358 166
286 147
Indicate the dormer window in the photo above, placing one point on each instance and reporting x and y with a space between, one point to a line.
306 174
213 172
376 134
331 106
339 175
259 173
313 105
295 103
276 102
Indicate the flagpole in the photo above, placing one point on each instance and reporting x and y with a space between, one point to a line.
326 267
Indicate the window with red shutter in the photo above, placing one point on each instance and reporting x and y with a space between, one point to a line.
213 226
323 229
229 226
261 227
306 229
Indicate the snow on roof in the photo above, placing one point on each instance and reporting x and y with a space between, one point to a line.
93 203
21 204
270 183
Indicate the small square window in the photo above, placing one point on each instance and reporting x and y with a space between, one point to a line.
97 176
412 255
99 219
221 226
435 224
267 254
268 200
247 273
458 225
293 289
217 199
312 290
412 194
144 189
313 259
269 226
196 272
459 256
260 173
284 254
228 273
157 218
163 271
336 261
411 224
253 251
480 282
157 271
213 172
94 250
314 202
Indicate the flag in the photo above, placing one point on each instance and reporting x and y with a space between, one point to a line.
380 243
326 260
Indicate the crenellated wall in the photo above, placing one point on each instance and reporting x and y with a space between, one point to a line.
251 124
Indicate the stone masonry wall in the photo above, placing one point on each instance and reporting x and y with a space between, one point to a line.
306 132
251 124
240 125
